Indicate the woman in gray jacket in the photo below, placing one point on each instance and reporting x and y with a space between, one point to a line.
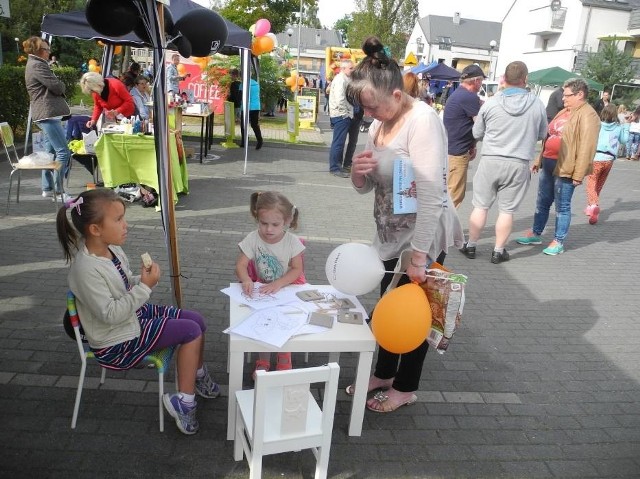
48 107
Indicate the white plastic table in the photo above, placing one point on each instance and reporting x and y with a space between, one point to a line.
341 338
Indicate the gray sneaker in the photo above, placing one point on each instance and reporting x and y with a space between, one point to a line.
206 387
184 415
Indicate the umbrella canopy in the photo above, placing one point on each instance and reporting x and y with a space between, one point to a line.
423 67
443 72
556 76
75 25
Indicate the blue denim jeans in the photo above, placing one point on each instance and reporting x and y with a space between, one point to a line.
340 126
553 189
56 143
632 144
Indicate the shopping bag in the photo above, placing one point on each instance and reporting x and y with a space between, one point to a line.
89 140
445 292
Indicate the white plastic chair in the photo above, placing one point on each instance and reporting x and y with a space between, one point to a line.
161 359
6 135
282 415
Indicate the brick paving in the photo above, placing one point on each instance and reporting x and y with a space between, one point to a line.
541 380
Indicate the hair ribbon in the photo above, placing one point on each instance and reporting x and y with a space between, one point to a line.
75 204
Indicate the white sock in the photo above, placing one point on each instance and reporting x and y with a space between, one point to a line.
498 250
200 372
188 399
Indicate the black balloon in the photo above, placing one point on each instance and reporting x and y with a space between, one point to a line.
205 29
142 32
113 18
183 45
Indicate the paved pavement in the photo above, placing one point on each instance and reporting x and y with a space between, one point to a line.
541 380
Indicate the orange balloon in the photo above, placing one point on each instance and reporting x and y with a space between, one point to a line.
402 319
93 62
294 88
301 81
93 67
117 50
182 70
265 44
290 81
255 49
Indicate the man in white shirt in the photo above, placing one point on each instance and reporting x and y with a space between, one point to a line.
340 115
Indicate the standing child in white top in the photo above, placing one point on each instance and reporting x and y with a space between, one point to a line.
271 255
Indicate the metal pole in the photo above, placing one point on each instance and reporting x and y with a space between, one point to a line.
299 31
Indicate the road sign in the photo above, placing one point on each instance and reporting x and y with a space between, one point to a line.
411 60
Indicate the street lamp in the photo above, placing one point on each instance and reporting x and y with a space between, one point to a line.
290 34
17 45
492 71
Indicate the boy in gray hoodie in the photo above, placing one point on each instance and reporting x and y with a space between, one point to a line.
509 124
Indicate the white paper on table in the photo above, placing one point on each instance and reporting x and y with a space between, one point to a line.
273 326
258 300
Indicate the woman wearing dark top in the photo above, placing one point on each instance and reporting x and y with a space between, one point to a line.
48 107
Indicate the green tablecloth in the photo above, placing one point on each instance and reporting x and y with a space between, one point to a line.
132 159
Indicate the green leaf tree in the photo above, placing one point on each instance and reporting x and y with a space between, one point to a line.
343 25
609 66
391 20
280 13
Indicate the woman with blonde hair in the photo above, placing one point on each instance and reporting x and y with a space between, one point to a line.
110 96
48 108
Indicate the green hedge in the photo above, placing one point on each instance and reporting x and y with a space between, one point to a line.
14 100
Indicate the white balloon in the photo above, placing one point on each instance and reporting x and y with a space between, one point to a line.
354 268
274 38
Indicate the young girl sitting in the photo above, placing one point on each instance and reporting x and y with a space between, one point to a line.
272 254
119 323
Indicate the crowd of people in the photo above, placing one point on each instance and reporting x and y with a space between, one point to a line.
579 144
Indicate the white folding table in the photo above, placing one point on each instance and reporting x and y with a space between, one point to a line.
341 338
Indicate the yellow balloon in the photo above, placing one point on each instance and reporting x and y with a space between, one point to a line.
402 319
93 62
252 29
294 73
290 81
93 67
301 81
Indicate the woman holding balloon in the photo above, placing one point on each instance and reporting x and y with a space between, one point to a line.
407 129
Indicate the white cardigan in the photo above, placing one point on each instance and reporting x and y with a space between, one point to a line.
107 310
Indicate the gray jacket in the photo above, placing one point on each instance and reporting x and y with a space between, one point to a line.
46 91
510 123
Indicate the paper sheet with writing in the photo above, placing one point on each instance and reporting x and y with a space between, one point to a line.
258 300
283 315
274 326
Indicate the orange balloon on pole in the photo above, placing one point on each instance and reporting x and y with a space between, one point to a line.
93 67
182 70
93 62
402 319
301 81
117 50
290 81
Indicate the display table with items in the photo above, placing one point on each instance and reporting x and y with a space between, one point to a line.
132 159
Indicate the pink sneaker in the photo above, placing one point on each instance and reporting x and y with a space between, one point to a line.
593 217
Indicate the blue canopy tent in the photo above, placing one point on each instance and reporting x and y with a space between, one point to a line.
423 67
443 72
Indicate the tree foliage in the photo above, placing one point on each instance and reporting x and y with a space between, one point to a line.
280 13
609 66
390 20
343 25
